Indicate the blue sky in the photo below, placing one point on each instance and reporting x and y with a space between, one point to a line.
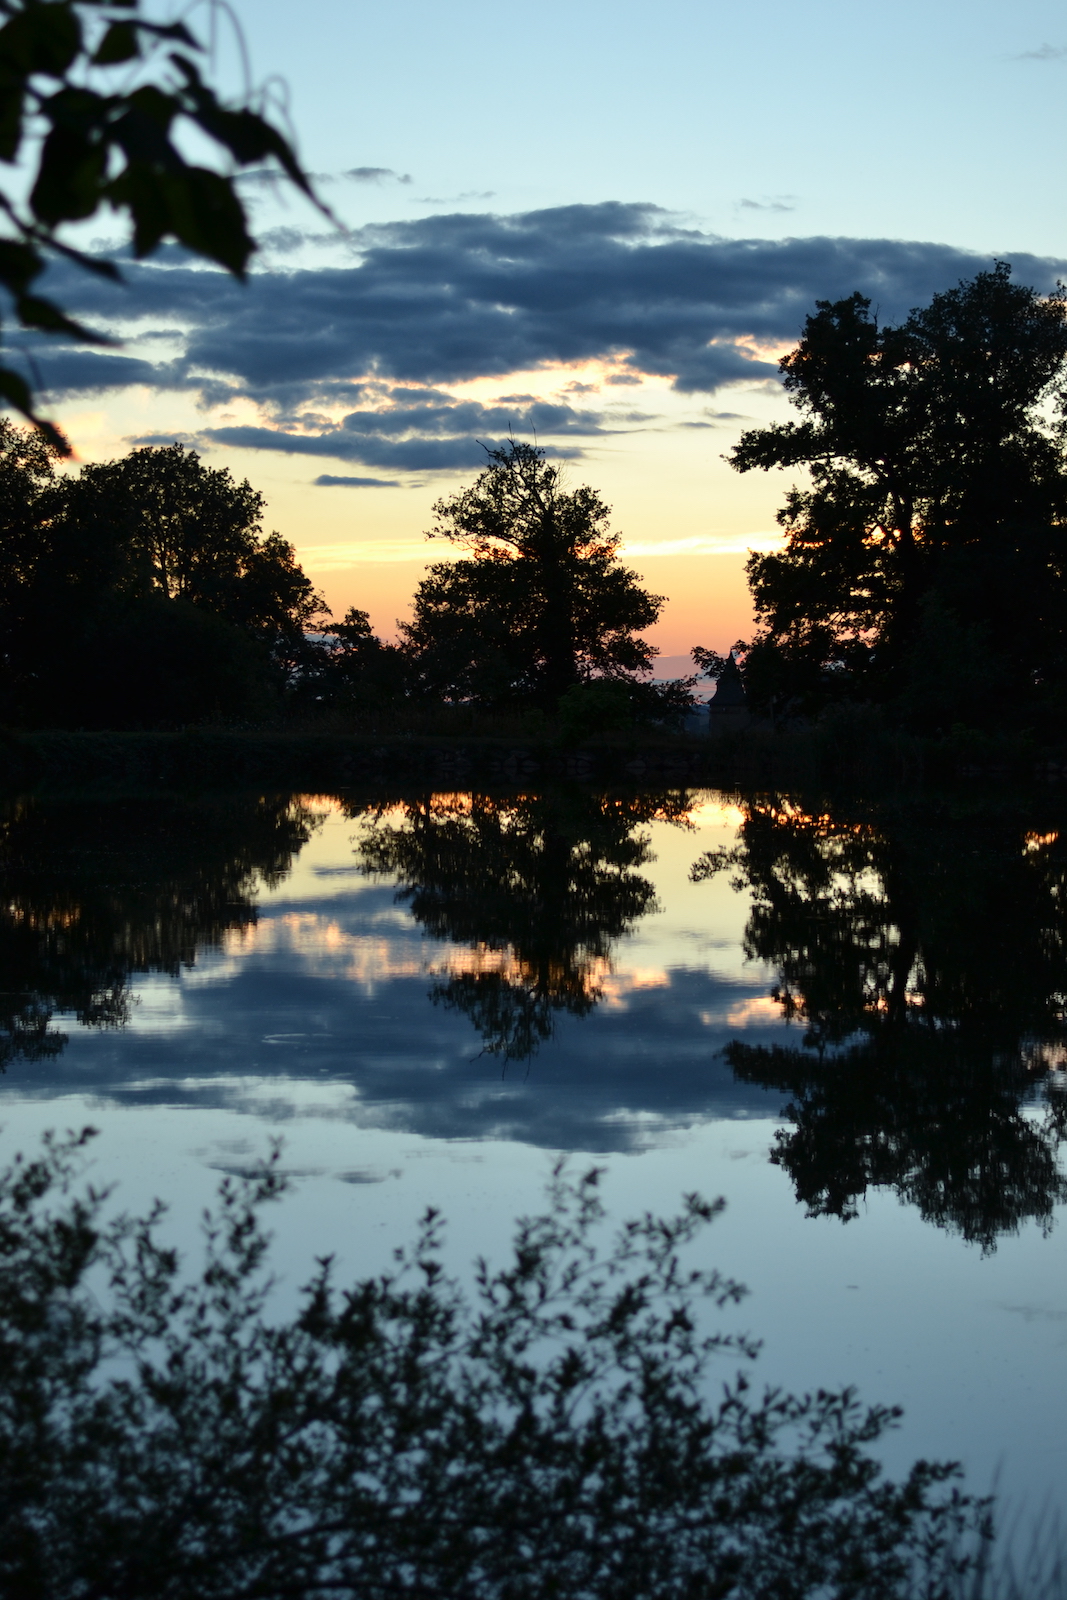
600 225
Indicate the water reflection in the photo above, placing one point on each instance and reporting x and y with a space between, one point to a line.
915 1028
95 891
923 950
538 888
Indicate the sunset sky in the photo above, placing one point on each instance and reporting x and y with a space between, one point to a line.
596 225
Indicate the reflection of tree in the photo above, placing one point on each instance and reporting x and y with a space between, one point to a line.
926 952
94 891
536 888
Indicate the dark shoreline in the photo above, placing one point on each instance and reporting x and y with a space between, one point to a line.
853 751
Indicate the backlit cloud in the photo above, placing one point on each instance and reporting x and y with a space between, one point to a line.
445 300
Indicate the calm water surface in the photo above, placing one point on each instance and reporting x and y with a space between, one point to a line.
847 1020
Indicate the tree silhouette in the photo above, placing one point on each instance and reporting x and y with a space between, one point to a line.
93 892
142 592
538 888
937 500
540 604
925 953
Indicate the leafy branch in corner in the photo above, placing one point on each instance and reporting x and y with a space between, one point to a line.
94 97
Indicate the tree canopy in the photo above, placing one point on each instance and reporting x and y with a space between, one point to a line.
95 97
141 592
540 603
935 451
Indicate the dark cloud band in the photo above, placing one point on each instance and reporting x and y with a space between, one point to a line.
447 299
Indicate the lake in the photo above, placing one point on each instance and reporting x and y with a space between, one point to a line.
846 1017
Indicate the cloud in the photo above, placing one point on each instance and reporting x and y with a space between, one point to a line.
375 175
782 202
326 480
446 299
455 199
1045 52
418 430
417 453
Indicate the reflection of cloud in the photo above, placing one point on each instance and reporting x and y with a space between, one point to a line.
324 1007
758 1011
370 960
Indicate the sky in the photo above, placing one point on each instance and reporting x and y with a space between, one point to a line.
597 226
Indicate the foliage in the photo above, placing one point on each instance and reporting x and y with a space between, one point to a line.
600 706
935 469
93 891
538 887
350 669
923 954
142 592
711 664
549 1434
183 531
95 98
540 604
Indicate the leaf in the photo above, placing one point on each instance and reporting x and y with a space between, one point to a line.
206 215
11 108
140 192
42 37
96 264
248 136
70 179
19 264
37 312
120 43
15 390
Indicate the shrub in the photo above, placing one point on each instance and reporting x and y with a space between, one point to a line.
547 1434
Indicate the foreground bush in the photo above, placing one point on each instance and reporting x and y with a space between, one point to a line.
547 1435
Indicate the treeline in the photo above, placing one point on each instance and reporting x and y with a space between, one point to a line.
924 569
144 593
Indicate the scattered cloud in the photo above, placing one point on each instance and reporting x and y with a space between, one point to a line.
780 202
375 175
158 439
326 480
443 300
1044 52
455 199
414 430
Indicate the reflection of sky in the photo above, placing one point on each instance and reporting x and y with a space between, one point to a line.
332 985
316 1024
